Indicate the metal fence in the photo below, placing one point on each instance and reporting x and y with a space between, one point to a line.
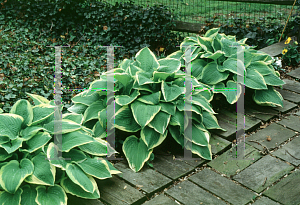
199 11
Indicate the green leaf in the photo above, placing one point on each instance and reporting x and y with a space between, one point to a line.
255 80
232 91
125 99
10 125
13 173
78 108
213 56
168 65
41 113
269 97
23 109
212 33
96 167
4 155
13 145
160 122
210 121
273 79
29 132
143 78
124 120
202 102
36 142
170 93
77 118
168 107
92 111
147 60
212 75
261 67
76 174
98 147
123 78
87 97
233 65
67 126
75 139
152 99
52 195
37 99
28 195
176 134
202 151
44 172
205 43
11 198
197 68
152 138
74 189
136 152
149 112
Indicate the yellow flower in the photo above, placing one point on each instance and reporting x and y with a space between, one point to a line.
296 42
284 51
288 40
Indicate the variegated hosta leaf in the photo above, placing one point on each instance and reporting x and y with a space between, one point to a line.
143 78
88 97
197 68
12 145
99 131
78 176
37 99
261 67
152 138
74 189
179 119
77 118
255 80
232 91
11 198
36 142
202 151
66 126
233 65
98 147
41 113
151 99
272 79
54 194
168 65
4 155
210 121
28 195
212 33
176 134
75 139
168 107
176 55
147 60
96 167
229 47
13 174
205 43
44 172
92 111
268 97
10 125
213 56
1 111
112 169
212 75
78 108
202 102
123 78
125 121
23 109
136 152
197 135
170 93
125 99
160 76
144 113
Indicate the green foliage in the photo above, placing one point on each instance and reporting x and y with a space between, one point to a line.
215 62
291 54
27 139
293 25
149 96
28 27
259 34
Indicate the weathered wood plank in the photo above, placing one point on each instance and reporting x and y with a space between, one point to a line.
188 27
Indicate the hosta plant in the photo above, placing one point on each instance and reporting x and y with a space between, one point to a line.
214 61
149 100
29 171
